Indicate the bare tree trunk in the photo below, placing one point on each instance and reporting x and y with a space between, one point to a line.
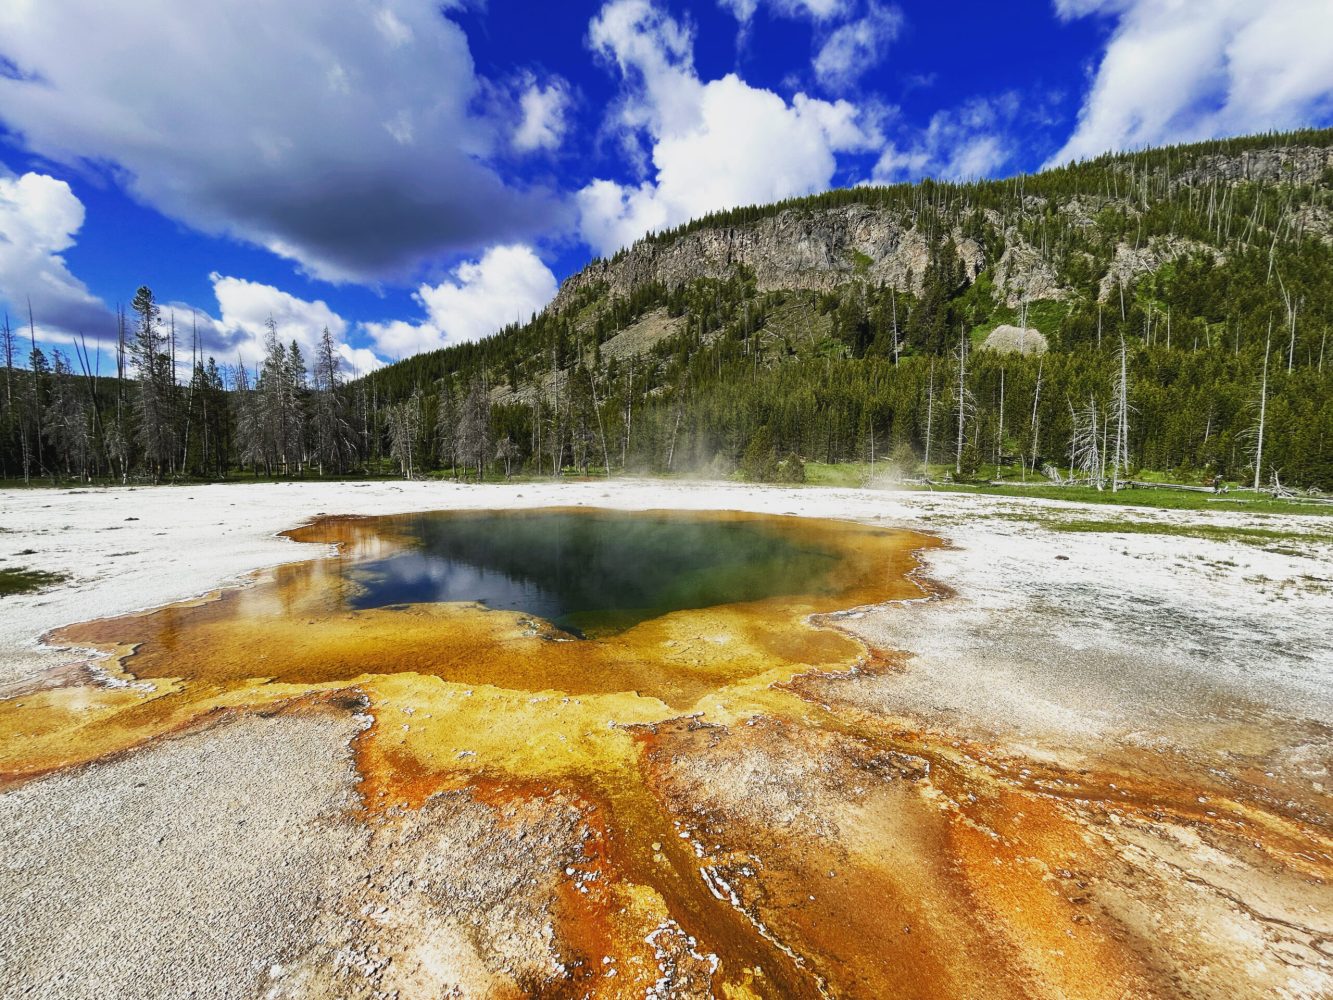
671 449
893 299
1263 413
171 383
1073 440
36 396
1121 415
629 416
90 380
601 430
1035 424
7 339
963 403
930 414
189 392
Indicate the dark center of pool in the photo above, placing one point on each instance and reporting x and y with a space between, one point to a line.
589 573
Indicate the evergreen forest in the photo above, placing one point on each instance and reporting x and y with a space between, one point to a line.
1183 297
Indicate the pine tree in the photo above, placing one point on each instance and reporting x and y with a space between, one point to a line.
156 429
296 391
331 435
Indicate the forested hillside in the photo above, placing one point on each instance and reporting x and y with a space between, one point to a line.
1184 296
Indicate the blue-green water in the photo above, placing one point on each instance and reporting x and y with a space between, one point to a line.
590 572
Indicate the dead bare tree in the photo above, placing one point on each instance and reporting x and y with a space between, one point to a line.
473 433
7 343
1292 305
893 300
33 416
1034 425
628 416
404 425
601 428
966 404
1120 409
506 452
1263 412
1085 443
930 415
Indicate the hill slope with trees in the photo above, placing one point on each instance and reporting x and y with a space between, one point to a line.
1184 295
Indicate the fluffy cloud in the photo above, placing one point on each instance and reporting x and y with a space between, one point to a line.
742 10
846 48
713 144
543 110
815 10
1176 70
967 142
238 332
852 49
39 217
819 10
508 284
245 308
347 143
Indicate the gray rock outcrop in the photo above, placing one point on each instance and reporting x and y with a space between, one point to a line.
1006 339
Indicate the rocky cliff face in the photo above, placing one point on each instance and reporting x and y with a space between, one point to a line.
823 249
814 250
1293 164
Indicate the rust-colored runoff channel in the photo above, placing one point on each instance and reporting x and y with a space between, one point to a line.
791 842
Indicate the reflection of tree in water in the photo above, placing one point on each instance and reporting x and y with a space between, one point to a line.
558 564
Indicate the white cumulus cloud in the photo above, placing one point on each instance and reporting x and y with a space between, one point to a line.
819 10
238 332
39 218
815 10
715 144
507 284
854 48
543 122
961 143
1179 70
742 10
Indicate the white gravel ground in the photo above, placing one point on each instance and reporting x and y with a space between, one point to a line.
190 868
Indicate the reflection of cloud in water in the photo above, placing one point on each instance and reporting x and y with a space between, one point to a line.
415 578
604 570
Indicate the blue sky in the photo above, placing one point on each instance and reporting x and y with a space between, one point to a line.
413 173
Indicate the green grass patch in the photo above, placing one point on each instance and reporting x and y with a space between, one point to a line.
1158 499
1290 541
856 474
18 580
843 474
